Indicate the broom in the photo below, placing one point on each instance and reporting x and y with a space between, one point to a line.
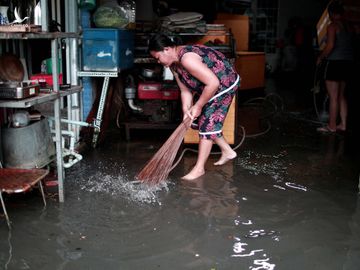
159 166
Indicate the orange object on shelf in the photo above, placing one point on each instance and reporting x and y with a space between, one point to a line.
239 26
229 128
251 67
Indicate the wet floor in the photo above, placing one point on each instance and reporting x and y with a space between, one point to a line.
288 201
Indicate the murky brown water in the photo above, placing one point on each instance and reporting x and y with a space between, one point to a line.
289 201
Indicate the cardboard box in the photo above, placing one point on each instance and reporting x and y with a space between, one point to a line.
213 37
229 128
321 29
239 26
352 14
251 67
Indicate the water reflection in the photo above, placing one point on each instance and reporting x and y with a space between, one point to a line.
216 199
334 146
212 197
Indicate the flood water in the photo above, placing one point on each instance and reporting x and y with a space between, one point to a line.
288 201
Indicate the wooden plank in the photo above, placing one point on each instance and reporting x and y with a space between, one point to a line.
192 136
239 26
251 67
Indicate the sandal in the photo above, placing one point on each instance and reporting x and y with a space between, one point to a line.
326 129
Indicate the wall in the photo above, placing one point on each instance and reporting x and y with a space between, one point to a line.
309 10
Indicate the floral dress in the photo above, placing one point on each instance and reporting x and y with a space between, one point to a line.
211 120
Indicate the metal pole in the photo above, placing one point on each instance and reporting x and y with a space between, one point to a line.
100 111
57 116
72 60
44 16
4 209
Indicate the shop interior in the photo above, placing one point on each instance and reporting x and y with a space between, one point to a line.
84 107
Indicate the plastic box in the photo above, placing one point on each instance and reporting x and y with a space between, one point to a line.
107 49
46 78
154 90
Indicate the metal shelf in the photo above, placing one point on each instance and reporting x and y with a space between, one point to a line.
38 35
41 98
28 102
54 96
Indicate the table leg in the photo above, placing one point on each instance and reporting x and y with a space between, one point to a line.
4 209
42 192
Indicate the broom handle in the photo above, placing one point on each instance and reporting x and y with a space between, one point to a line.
186 122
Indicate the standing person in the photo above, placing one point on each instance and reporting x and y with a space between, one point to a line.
206 72
338 54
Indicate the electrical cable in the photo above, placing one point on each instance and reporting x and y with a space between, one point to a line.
211 153
10 250
316 90
248 103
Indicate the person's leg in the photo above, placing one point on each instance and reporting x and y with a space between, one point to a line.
227 153
342 107
205 146
333 92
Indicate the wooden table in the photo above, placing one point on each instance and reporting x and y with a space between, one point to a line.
18 181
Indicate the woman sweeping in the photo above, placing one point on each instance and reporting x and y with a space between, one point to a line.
204 71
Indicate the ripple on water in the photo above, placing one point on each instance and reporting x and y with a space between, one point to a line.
130 213
272 165
258 259
106 181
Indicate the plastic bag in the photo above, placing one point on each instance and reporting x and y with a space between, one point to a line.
110 15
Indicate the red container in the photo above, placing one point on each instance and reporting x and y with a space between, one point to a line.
46 78
155 90
149 90
170 94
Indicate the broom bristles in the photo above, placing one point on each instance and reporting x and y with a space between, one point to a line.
159 166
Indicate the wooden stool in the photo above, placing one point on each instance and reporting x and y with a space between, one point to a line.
20 180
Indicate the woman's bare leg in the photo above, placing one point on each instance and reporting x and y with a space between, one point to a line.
333 92
227 153
199 168
342 107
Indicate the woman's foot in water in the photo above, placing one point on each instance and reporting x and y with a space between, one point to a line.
194 174
225 157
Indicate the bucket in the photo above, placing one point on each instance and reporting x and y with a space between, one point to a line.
28 147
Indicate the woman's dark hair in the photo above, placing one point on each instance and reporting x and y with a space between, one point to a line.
336 7
158 42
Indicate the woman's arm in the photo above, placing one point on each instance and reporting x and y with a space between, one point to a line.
186 96
330 42
194 65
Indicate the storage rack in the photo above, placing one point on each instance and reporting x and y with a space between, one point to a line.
97 121
54 96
